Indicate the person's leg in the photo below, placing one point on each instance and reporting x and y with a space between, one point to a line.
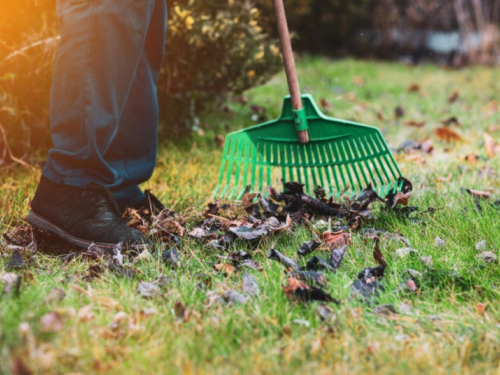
101 47
132 153
102 43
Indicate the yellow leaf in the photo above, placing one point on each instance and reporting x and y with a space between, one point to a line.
260 55
251 74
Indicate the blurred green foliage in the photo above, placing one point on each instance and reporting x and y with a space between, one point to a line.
214 48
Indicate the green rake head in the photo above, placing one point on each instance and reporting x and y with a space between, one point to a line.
342 156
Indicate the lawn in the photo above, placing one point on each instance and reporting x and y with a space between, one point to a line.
105 325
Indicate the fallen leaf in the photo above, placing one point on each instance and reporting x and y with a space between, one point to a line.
489 256
335 240
439 242
367 289
427 260
55 295
296 290
447 135
481 245
250 286
493 128
234 297
51 322
411 285
377 253
325 312
202 233
148 290
478 193
287 262
492 148
472 158
16 261
445 179
19 367
400 198
325 104
405 251
399 112
336 257
314 277
358 81
250 264
226 268
481 308
317 263
118 319
451 121
384 310
416 124
454 96
427 146
492 107
316 346
220 140
371 272
414 87
171 258
307 248
85 314
12 283
181 312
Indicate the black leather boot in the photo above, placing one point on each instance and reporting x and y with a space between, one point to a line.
82 215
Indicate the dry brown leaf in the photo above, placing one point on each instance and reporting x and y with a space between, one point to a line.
226 268
492 107
335 240
220 140
454 97
52 322
380 116
493 128
85 314
399 112
411 285
478 193
481 308
292 286
472 159
416 124
447 134
324 103
492 148
317 345
427 146
445 179
414 87
401 198
18 367
377 253
358 81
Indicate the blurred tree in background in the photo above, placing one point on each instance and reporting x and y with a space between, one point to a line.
216 48
322 26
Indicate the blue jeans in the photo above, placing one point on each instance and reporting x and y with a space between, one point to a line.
104 108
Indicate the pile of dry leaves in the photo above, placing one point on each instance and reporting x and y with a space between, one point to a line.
223 226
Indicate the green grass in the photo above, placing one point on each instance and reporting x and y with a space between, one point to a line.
442 334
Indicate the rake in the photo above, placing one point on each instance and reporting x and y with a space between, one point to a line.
306 146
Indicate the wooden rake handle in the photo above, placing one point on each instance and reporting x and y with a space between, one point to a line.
289 62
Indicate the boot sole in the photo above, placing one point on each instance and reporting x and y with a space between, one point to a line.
41 223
